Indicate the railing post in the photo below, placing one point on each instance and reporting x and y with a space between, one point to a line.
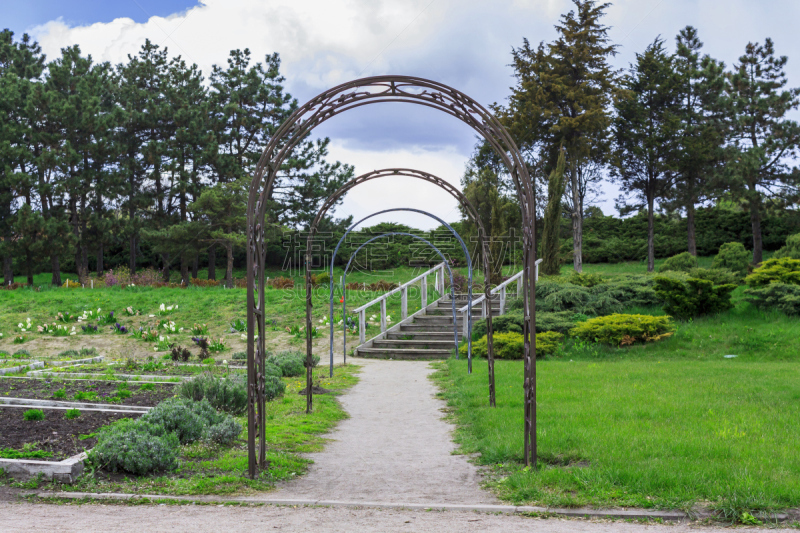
403 303
519 283
484 303
503 300
536 278
383 315
362 326
424 292
441 280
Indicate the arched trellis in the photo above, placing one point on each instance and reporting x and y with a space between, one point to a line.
471 212
377 89
444 260
344 303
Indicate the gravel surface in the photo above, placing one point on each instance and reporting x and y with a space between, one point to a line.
395 447
198 519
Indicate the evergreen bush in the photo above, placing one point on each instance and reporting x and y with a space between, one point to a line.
292 364
782 270
683 262
186 418
734 257
623 329
791 249
717 276
694 297
783 297
511 345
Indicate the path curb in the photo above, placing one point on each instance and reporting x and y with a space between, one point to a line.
581 512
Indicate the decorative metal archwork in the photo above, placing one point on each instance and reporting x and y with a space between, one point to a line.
471 212
326 105
444 260
344 299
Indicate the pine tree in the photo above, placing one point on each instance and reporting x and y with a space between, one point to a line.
699 84
645 133
763 139
562 98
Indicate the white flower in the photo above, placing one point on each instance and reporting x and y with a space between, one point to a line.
155 348
74 333
162 307
181 329
176 306
98 310
151 316
341 321
224 361
244 336
160 338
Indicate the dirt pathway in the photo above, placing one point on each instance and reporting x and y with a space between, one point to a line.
394 447
24 518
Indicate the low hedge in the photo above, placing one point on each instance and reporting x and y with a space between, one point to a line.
511 345
623 330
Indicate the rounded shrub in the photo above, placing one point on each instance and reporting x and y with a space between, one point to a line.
225 432
292 364
783 270
136 447
791 249
33 415
732 256
71 414
323 279
683 262
239 356
273 387
623 329
226 394
717 276
186 418
512 345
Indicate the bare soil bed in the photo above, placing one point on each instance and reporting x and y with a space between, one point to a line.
55 433
43 389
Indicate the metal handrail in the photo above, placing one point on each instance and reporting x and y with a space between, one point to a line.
500 287
386 295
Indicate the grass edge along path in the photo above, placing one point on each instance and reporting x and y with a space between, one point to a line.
208 470
651 435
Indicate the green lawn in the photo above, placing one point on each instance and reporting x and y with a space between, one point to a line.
663 434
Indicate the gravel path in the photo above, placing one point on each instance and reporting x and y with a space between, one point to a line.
23 518
394 447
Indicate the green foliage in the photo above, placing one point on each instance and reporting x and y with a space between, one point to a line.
586 280
292 364
621 329
239 356
683 262
694 297
783 297
551 264
86 396
8 453
60 394
224 433
732 256
323 278
33 415
186 418
136 447
717 276
71 414
791 249
146 386
511 345
226 394
783 270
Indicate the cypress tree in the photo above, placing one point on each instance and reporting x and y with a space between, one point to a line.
551 264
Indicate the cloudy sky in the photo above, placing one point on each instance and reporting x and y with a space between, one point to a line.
463 43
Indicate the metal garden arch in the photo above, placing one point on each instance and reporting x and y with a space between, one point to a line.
356 93
444 260
344 302
455 193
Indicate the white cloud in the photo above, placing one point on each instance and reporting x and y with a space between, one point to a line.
388 193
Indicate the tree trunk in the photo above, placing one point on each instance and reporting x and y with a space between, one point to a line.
229 270
165 270
132 259
184 270
212 260
651 247
29 268
577 223
195 266
56 270
690 202
100 258
755 222
690 229
8 269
